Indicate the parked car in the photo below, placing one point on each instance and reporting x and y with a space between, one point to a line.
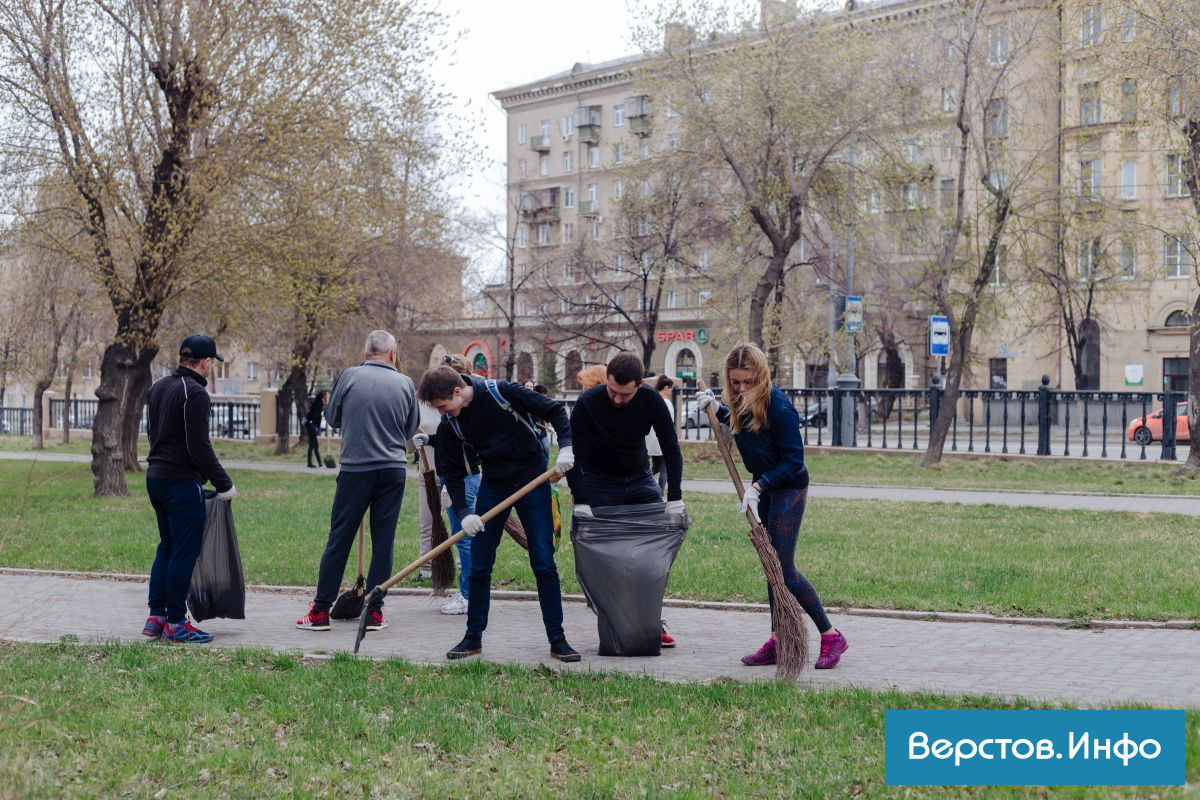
814 416
1145 430
693 417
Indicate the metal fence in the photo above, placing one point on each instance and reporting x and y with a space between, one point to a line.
16 421
226 419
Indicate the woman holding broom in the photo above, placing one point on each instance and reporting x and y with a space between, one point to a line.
766 428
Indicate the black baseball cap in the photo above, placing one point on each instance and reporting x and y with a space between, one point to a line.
200 347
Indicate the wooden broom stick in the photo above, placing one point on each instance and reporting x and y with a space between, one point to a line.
791 632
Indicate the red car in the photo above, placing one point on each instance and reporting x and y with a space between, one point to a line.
1145 430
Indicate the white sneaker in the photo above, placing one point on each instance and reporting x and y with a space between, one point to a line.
456 605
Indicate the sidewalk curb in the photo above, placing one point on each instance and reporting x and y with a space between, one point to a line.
715 605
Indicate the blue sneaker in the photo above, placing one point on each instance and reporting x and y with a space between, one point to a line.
186 632
153 628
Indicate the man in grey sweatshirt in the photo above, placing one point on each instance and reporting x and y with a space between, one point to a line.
375 406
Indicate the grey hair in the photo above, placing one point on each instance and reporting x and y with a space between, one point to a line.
379 343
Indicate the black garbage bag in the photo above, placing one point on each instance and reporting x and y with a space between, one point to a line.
623 557
218 587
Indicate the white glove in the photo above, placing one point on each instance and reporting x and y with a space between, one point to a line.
750 501
675 507
566 460
583 511
472 524
421 439
228 494
705 399
445 497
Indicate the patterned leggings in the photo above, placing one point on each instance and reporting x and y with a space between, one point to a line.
783 511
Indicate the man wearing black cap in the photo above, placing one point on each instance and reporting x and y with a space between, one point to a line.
181 460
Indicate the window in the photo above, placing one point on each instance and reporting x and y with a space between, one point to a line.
1129 25
568 272
671 110
1176 184
703 297
705 259
568 126
618 189
998 178
619 153
997 45
593 156
671 299
568 197
1089 103
1178 257
618 300
1175 375
618 264
949 103
873 202
543 235
1177 319
998 373
997 118
594 229
645 187
543 165
912 151
1000 274
947 148
568 232
1128 101
544 127
910 193
564 306
1089 179
645 226
948 194
87 370
523 133
593 195
1128 259
521 308
1087 259
1089 31
1129 179
618 115
522 236
569 161
644 148
673 142
522 269
1175 98
252 371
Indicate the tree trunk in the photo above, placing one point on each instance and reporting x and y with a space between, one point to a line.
291 393
131 423
66 420
124 380
762 293
1193 462
39 389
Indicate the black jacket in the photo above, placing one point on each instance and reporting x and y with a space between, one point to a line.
315 409
510 452
177 411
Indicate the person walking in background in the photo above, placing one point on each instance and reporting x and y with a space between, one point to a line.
181 460
658 465
498 419
375 406
766 427
312 427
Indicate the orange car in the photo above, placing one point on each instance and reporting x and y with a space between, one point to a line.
1145 430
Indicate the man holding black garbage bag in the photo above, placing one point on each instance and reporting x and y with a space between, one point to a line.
608 427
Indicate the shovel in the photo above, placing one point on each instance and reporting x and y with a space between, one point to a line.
350 603
382 589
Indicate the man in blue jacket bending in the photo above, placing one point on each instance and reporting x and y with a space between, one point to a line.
499 419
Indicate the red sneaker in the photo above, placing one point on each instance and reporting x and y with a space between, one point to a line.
375 621
832 646
667 639
764 657
314 620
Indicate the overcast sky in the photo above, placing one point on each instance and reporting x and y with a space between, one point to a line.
509 42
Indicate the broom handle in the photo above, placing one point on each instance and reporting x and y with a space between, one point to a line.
715 427
489 514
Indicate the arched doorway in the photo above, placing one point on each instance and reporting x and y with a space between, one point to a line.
524 367
574 364
479 356
685 367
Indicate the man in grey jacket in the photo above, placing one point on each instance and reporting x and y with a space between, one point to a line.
375 406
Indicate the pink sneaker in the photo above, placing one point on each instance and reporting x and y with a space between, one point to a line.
832 646
765 656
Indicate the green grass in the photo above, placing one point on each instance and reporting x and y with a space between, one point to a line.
1036 562
957 471
151 720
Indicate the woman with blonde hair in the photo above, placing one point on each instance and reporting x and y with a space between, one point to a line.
766 428
591 376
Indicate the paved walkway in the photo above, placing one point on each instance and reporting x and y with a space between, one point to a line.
1080 666
1146 504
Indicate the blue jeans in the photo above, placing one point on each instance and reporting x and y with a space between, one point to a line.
538 520
381 490
621 490
471 485
179 506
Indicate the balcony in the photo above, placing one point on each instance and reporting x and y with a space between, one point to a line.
639 126
539 144
540 206
549 214
588 134
637 106
589 208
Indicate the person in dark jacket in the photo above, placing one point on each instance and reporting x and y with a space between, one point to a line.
312 427
499 419
375 406
766 427
609 425
181 460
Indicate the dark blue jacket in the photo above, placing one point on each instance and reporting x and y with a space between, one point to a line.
511 453
775 456
177 416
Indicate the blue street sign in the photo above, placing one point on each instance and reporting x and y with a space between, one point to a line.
939 336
